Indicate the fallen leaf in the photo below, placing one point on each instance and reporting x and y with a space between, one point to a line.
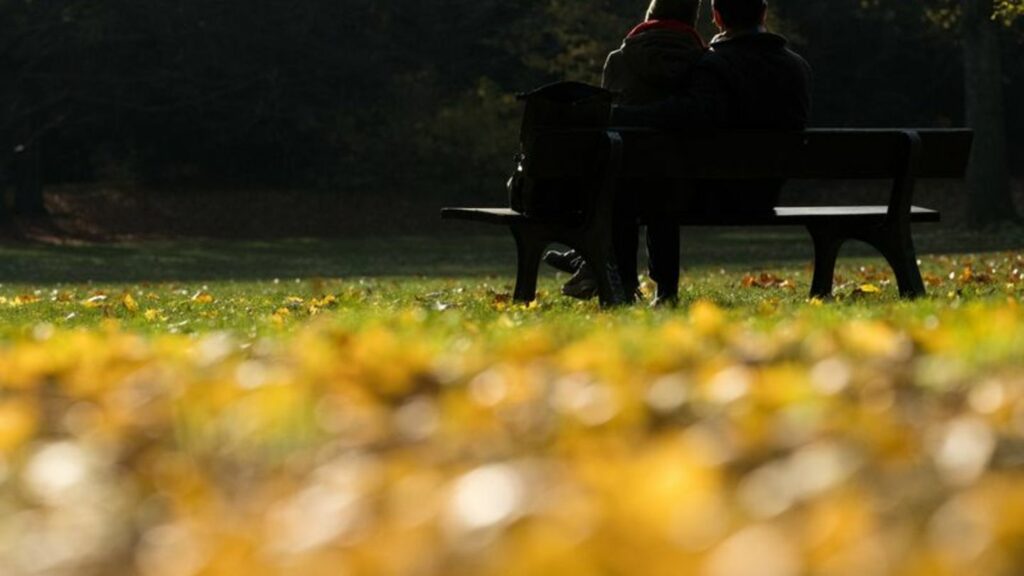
203 298
129 303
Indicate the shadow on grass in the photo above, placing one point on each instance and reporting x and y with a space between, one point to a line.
456 254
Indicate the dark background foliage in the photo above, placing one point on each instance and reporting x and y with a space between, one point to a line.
398 103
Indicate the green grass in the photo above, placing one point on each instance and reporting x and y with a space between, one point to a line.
82 286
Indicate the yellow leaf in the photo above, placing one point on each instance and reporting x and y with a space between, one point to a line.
501 302
280 315
203 298
870 289
25 299
153 315
129 303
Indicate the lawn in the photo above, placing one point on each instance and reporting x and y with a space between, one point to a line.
381 407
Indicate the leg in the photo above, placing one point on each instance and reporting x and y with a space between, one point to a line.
529 248
826 252
627 244
603 229
600 253
663 257
609 282
626 233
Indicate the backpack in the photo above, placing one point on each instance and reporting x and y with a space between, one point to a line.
559 106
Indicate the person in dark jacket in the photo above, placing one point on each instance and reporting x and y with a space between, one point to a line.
749 79
652 65
656 55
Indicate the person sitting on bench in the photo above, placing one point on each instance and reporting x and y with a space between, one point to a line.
655 58
748 80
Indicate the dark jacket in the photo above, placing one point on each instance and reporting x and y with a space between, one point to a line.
653 63
746 81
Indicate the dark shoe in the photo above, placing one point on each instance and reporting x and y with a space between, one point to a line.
583 284
569 261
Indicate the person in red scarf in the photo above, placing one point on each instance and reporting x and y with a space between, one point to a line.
651 66
656 55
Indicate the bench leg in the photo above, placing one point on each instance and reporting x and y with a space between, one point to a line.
529 250
826 252
894 240
902 257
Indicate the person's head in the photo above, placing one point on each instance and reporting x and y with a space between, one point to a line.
683 10
739 14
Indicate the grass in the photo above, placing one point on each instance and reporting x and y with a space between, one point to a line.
250 287
380 406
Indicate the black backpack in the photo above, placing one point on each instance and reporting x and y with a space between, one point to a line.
559 106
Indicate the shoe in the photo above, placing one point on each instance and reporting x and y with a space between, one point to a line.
569 261
582 285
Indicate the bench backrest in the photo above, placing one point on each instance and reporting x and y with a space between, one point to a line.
812 154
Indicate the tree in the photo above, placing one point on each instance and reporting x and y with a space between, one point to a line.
31 38
988 176
977 26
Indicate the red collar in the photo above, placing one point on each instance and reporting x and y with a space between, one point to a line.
673 25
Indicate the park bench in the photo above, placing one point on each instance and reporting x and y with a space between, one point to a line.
609 156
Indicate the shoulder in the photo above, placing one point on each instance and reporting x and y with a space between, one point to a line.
797 63
799 60
611 76
614 59
713 60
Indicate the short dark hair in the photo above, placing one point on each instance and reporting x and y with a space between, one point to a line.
683 10
741 13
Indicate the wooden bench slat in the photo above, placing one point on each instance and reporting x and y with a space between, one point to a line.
802 215
825 154
783 216
487 215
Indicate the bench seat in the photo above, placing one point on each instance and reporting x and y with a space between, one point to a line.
782 216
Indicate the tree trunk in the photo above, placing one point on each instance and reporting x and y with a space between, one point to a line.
28 191
988 177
